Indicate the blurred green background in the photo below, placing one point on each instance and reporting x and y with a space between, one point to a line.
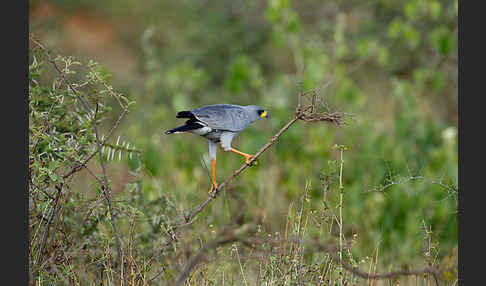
393 65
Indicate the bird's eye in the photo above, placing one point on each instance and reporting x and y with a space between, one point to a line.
260 111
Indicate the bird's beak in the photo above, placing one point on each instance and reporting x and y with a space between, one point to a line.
264 114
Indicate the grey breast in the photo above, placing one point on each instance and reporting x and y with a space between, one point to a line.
225 117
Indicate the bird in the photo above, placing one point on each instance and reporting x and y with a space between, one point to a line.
219 123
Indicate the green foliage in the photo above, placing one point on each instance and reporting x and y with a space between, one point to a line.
244 75
66 98
391 64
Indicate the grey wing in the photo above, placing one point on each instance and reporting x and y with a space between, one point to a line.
223 117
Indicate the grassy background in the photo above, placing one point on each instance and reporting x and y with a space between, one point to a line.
391 64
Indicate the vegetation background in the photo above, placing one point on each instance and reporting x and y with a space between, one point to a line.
393 65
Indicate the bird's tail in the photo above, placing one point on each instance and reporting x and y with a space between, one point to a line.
183 128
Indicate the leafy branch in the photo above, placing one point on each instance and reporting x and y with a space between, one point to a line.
62 66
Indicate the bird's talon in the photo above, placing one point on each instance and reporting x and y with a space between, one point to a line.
254 163
213 188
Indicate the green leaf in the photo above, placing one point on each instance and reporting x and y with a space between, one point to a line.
395 28
411 10
412 36
435 9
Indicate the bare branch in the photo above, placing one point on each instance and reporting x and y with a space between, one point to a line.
226 236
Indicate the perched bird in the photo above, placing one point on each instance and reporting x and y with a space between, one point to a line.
219 123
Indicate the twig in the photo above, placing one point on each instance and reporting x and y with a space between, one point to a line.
107 193
325 181
225 237
46 231
412 178
59 273
241 266
341 192
357 272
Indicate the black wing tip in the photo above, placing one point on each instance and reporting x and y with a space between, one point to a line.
184 114
170 131
188 127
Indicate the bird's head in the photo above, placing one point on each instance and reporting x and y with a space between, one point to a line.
256 112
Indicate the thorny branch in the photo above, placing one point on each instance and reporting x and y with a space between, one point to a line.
451 190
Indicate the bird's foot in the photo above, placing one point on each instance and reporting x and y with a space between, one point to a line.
214 187
246 156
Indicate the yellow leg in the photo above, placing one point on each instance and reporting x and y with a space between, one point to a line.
215 185
247 156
